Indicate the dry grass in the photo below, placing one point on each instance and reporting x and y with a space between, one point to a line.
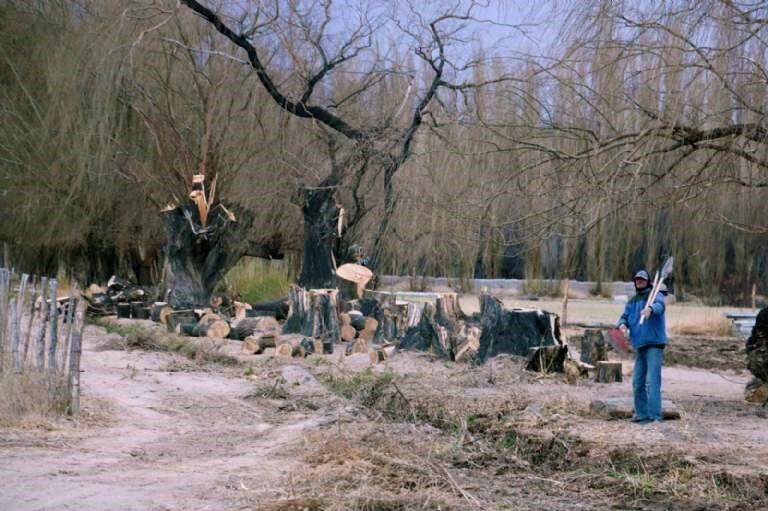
709 321
31 400
375 467
155 339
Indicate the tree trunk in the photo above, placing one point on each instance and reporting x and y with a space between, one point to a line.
321 216
513 331
593 347
427 335
608 372
197 258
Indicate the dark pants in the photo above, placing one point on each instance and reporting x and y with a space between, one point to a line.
646 383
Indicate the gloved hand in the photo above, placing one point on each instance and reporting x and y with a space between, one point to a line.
646 313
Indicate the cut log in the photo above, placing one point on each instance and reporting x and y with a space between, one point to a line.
360 346
157 307
344 319
240 309
264 325
348 333
278 309
212 327
427 335
512 331
314 313
144 313
187 329
608 372
176 318
369 330
290 346
123 310
593 347
352 279
203 312
357 320
164 313
547 359
320 347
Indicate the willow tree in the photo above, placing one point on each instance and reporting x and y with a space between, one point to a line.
323 62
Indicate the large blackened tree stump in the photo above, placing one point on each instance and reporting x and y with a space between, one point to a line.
512 331
198 257
321 219
314 313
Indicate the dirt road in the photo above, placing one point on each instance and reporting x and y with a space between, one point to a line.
154 439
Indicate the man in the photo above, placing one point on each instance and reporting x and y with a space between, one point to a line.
648 340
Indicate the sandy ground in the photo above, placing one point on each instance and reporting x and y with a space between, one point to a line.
161 433
153 438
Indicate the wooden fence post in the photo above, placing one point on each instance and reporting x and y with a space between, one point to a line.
28 335
76 348
54 320
40 334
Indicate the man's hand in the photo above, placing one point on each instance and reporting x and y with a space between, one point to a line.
624 330
646 313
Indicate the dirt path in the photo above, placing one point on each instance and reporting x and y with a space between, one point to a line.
175 440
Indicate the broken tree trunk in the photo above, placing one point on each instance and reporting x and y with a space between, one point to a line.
321 220
199 254
314 313
512 331
757 348
608 372
448 312
593 347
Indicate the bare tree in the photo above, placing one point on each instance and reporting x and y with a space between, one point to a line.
329 78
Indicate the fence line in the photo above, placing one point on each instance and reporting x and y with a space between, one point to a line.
34 319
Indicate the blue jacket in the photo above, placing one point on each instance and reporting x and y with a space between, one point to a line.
653 331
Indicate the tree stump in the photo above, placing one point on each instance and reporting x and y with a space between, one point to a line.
448 312
593 347
512 331
608 372
314 313
123 310
136 309
547 359
427 335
